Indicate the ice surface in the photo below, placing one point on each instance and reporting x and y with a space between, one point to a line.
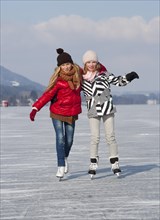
31 191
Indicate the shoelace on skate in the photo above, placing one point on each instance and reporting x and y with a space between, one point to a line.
115 165
93 166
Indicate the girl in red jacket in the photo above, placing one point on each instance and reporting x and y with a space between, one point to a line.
63 92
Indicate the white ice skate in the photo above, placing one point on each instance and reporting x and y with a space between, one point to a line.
92 167
116 169
66 169
60 173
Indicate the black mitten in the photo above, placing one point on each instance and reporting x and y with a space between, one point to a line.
131 76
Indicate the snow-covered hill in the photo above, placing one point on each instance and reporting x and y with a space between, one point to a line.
11 79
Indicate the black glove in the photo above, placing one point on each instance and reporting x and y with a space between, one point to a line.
131 76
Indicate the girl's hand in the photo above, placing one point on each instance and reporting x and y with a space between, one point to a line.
33 114
131 76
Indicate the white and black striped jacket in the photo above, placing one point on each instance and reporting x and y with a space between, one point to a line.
97 93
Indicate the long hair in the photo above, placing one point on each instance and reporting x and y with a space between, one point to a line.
55 75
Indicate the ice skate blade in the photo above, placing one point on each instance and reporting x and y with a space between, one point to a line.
92 176
60 178
117 174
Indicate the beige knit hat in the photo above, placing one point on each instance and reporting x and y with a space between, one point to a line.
89 55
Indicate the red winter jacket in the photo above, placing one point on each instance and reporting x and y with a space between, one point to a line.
67 102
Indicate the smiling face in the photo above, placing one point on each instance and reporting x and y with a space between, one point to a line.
66 67
91 66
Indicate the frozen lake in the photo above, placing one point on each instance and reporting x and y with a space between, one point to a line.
31 191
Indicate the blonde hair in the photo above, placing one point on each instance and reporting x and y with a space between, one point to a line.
98 67
55 75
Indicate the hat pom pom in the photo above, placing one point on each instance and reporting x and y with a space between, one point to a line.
60 50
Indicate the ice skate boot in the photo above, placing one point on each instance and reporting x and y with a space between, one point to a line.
60 173
115 166
66 168
92 167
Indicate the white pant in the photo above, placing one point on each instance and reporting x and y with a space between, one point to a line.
108 121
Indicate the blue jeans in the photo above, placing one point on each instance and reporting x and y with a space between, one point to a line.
64 139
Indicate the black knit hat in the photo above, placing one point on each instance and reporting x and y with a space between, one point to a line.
63 57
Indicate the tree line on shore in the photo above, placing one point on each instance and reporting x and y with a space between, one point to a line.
27 98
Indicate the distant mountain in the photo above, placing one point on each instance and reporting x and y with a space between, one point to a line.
17 89
20 91
11 79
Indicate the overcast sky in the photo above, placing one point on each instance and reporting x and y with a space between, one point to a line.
125 35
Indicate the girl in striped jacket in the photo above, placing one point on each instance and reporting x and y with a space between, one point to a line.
96 88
